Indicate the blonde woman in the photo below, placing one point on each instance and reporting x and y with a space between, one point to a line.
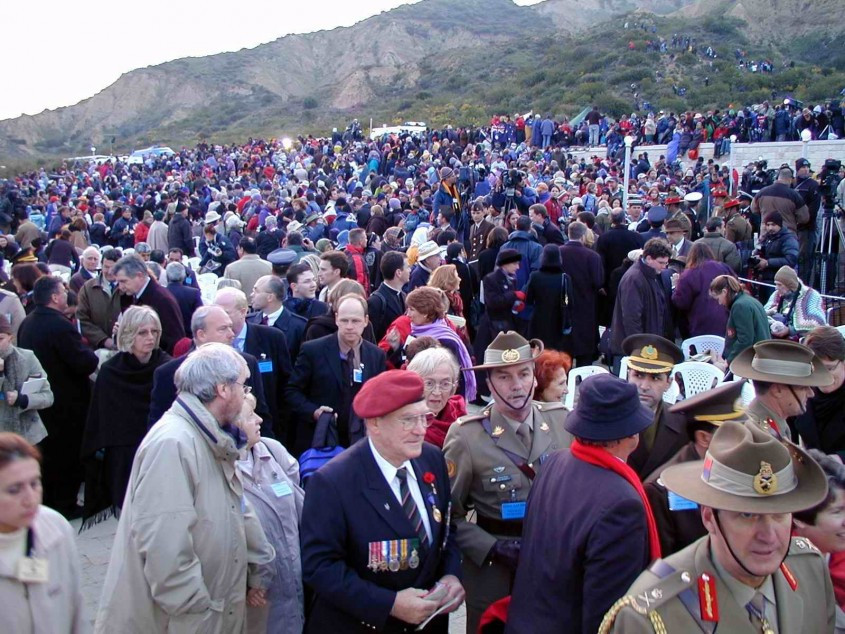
120 405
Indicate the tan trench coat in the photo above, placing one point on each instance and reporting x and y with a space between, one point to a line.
186 534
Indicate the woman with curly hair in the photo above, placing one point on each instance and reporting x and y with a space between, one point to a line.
446 278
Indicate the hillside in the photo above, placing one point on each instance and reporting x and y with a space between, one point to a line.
446 61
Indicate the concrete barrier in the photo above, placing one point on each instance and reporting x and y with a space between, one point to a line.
743 153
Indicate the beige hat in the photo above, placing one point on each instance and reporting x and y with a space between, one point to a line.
427 249
787 276
747 470
783 362
509 348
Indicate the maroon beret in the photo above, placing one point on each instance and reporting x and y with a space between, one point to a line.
387 392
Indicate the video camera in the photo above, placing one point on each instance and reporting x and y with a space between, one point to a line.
511 180
829 178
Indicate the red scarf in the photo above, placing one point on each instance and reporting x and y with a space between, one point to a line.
601 458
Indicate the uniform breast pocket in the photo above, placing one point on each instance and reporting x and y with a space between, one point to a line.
504 486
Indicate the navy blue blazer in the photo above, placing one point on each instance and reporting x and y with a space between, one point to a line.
270 348
164 391
584 542
188 299
350 505
291 324
317 380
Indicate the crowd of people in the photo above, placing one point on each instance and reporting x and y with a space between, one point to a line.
322 385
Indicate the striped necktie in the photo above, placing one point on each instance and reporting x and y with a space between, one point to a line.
410 507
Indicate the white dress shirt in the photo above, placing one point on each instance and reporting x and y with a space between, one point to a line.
389 473
240 339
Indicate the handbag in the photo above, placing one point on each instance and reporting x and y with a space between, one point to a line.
324 447
565 304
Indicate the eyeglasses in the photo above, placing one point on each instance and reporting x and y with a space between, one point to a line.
431 385
410 422
246 388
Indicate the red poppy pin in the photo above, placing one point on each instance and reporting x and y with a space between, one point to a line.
428 477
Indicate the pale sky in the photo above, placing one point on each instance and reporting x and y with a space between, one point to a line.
58 53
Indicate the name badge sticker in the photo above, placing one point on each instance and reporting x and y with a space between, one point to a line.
281 489
513 510
677 503
358 374
33 570
265 366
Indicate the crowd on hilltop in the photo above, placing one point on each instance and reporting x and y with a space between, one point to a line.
295 369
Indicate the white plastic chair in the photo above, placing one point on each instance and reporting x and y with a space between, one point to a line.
623 369
574 379
747 395
208 287
703 343
670 396
697 377
194 262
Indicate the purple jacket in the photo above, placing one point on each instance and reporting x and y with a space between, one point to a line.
691 297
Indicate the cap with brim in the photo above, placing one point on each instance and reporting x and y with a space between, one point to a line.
651 353
608 409
715 406
294 225
508 349
747 470
313 217
212 216
657 214
693 197
784 362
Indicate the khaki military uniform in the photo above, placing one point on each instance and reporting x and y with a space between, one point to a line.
483 477
737 229
666 598
764 417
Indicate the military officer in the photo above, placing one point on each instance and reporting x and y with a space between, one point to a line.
650 362
746 574
673 212
678 520
783 373
492 458
737 228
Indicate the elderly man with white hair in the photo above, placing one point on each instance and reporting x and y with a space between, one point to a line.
89 269
188 547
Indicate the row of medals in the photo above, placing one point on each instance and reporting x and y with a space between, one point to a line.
394 561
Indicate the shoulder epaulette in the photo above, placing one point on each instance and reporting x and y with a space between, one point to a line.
470 418
646 603
547 406
803 546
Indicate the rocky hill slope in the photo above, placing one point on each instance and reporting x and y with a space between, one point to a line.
450 61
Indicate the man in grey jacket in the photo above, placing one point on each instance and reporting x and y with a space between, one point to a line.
723 249
188 544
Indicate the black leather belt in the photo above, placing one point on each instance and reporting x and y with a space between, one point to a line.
508 528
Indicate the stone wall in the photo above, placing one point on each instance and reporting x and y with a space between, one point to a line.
744 153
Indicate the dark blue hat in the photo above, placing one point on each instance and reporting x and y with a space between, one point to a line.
657 214
608 409
282 257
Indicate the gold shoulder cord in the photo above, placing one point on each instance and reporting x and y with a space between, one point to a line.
629 601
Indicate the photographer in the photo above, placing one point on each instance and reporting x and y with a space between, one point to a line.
216 252
808 188
778 247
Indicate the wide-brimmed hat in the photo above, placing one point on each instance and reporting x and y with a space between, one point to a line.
608 409
211 217
651 353
312 217
426 250
747 470
507 349
784 362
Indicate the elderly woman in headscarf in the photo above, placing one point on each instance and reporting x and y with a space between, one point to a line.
794 309
120 405
440 373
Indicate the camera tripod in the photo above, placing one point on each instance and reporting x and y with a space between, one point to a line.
826 257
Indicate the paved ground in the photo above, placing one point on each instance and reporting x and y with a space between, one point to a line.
94 551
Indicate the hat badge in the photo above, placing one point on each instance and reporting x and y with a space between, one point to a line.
765 482
649 352
510 356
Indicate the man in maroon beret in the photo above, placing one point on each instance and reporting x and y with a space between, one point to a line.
378 546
